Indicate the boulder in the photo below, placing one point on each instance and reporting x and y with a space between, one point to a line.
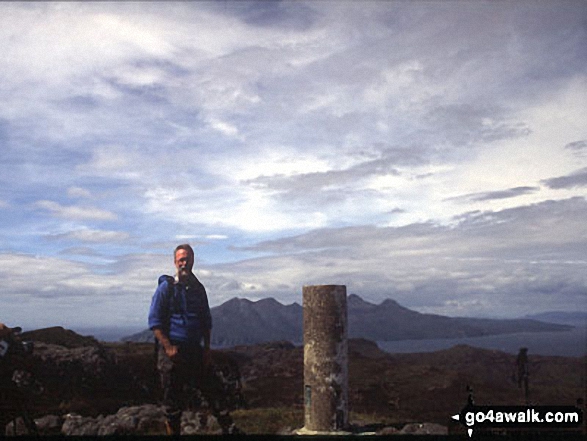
49 425
389 430
86 380
147 419
75 424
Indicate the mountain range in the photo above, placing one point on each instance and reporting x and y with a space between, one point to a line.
245 322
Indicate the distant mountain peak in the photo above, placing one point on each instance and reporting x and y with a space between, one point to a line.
269 301
390 302
236 301
242 321
354 299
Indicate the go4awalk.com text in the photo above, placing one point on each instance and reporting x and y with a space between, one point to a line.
520 417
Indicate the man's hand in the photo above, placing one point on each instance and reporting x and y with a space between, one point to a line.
164 341
171 351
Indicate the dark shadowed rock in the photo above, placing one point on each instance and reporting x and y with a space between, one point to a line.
59 336
92 360
20 429
87 379
49 425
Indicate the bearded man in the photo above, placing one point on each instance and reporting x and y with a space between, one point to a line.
181 322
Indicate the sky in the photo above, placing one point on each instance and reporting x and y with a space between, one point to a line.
432 152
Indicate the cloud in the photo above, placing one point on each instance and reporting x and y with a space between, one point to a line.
499 194
200 238
488 263
81 251
75 212
577 145
329 140
281 15
466 124
224 128
575 179
94 236
78 192
540 254
49 277
339 185
44 291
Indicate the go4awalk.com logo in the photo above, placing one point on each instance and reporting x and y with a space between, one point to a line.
519 417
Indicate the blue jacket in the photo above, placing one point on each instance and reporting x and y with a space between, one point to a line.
181 310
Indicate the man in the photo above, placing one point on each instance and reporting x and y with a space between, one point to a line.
181 321
523 373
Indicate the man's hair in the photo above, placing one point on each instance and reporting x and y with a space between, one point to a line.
183 246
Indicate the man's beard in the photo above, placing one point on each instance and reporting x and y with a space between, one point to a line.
183 272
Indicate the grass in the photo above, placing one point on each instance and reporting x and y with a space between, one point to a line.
268 421
282 420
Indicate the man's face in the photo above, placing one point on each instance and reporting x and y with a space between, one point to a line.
184 263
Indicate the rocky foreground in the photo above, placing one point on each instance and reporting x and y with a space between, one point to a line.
93 388
149 419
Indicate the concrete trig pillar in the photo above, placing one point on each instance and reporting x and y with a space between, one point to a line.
325 359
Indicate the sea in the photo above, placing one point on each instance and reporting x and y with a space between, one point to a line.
571 343
108 334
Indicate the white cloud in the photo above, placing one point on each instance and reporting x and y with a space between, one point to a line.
94 236
208 237
109 159
462 270
216 237
425 266
75 212
224 128
78 192
44 291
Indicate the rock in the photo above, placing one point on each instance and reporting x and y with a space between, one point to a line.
93 360
81 426
147 419
423 429
390 430
20 428
49 425
137 420
285 431
86 380
57 335
193 422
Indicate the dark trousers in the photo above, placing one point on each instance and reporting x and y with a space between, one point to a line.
181 378
186 383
